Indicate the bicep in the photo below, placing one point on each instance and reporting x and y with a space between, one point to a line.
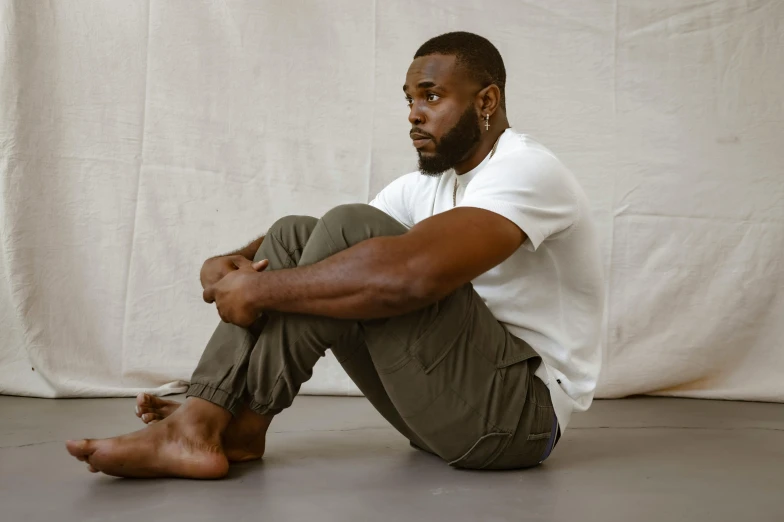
452 248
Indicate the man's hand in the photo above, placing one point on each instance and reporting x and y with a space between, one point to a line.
216 268
232 295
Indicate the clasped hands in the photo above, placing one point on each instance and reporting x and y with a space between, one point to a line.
228 282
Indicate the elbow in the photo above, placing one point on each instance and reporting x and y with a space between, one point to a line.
424 281
423 289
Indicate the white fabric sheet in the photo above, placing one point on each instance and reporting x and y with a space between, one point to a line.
138 138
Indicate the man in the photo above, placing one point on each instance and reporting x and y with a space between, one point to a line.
465 301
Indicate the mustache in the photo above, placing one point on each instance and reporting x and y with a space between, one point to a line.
420 132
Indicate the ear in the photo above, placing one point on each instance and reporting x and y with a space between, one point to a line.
488 100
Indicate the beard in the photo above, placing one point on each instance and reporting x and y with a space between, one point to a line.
453 147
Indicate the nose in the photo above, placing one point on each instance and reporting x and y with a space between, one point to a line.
415 116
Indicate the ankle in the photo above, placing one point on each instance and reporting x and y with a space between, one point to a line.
252 420
204 415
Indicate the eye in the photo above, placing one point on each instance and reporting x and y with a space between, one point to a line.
431 97
409 101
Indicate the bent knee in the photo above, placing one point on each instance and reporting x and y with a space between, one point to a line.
361 221
304 224
352 212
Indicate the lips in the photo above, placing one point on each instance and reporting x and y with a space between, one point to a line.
420 140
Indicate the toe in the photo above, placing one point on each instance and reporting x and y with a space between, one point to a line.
143 399
142 404
91 469
154 402
150 404
150 417
81 449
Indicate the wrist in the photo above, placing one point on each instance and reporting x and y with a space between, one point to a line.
255 293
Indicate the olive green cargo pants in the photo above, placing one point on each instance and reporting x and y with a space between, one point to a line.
449 377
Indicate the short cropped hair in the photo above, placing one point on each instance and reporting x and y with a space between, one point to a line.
476 54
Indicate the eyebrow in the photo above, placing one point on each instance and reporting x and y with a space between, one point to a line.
421 85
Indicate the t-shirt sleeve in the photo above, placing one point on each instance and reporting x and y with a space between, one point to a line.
395 198
532 189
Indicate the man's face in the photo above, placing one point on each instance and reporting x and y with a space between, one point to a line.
444 120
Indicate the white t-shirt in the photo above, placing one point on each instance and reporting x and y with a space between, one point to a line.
550 292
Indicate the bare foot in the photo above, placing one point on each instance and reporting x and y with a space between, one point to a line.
186 444
244 439
150 408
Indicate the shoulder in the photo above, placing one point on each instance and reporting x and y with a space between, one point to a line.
526 183
524 158
522 165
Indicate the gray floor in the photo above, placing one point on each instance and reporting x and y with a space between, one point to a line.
335 459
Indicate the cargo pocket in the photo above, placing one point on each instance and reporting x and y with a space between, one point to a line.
534 428
483 452
525 451
543 438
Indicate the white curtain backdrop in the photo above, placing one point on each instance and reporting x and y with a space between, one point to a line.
137 138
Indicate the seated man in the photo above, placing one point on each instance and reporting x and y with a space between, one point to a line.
465 301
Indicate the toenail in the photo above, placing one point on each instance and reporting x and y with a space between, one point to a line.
137 410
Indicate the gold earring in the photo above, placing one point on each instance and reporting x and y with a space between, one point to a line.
487 122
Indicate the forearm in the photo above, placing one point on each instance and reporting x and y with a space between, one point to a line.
367 281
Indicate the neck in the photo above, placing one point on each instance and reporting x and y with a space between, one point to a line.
498 124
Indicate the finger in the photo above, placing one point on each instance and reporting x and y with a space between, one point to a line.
258 266
209 294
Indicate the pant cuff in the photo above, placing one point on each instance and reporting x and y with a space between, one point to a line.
263 409
216 396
